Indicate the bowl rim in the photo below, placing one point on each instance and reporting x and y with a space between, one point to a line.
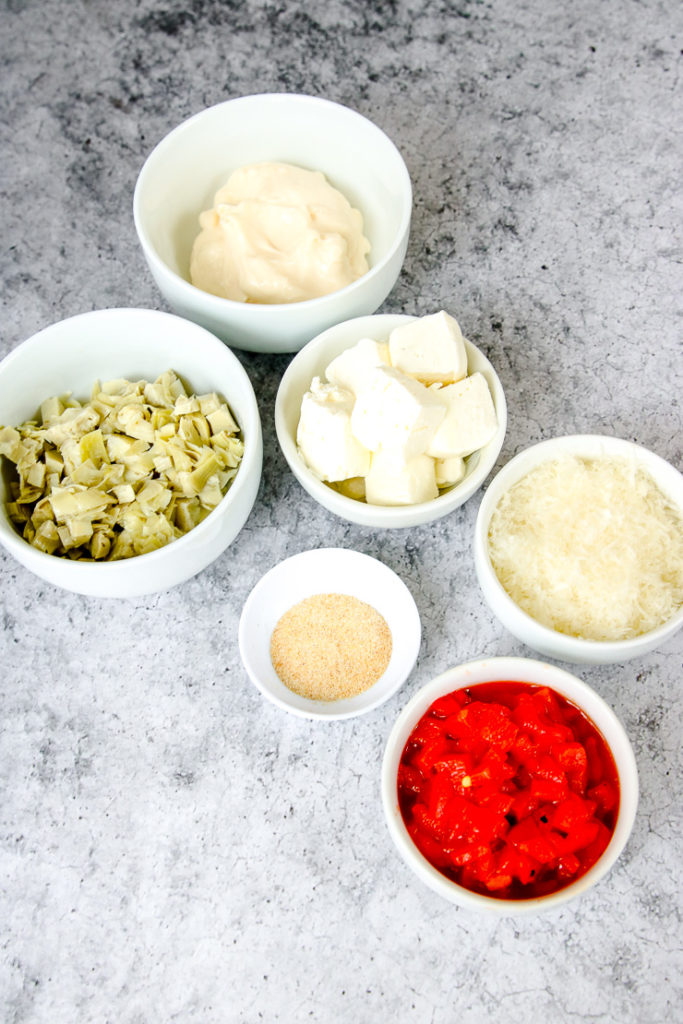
393 516
514 668
14 543
411 620
216 304
513 471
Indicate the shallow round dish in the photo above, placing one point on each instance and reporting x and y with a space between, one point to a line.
311 362
328 571
521 670
541 638
70 356
181 176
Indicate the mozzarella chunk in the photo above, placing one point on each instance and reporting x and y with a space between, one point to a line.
393 480
324 434
470 421
352 367
395 411
450 471
430 349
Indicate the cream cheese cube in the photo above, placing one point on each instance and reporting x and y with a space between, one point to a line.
393 480
324 434
470 421
352 368
450 471
431 349
395 411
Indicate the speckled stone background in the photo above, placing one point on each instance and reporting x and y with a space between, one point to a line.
173 848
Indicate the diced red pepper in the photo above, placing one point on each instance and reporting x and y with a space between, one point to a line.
492 787
572 811
605 796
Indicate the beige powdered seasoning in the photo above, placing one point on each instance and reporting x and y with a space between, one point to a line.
330 646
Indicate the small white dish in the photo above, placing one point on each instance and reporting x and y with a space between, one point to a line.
540 674
182 174
312 362
547 641
328 571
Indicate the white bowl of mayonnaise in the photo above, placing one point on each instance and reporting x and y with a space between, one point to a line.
305 212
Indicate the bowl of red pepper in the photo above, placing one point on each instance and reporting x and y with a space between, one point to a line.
509 785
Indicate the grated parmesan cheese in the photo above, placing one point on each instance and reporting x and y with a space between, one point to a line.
590 547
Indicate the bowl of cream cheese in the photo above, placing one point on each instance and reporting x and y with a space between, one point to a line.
268 218
391 420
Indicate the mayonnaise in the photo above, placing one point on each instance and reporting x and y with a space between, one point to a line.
278 233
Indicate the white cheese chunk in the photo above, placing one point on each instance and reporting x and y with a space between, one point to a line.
393 480
352 367
395 411
430 349
470 421
450 471
324 434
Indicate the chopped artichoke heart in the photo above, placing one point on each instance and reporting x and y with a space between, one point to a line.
206 468
50 410
221 419
53 461
81 530
126 473
131 419
209 403
73 423
121 448
28 495
124 493
18 513
68 501
211 494
93 447
47 537
36 475
9 441
185 405
42 513
154 496
100 545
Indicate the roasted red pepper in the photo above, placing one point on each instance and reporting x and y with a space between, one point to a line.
508 789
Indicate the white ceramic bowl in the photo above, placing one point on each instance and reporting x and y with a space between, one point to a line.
181 176
311 362
537 673
541 638
139 344
328 571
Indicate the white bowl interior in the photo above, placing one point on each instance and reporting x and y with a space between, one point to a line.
312 361
327 571
541 638
185 170
69 356
522 670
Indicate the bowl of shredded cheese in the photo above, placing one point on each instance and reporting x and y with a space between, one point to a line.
579 548
329 634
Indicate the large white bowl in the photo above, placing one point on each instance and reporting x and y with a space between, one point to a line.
520 670
311 362
541 638
181 176
137 344
328 571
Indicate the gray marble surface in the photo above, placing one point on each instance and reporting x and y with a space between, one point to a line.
172 847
